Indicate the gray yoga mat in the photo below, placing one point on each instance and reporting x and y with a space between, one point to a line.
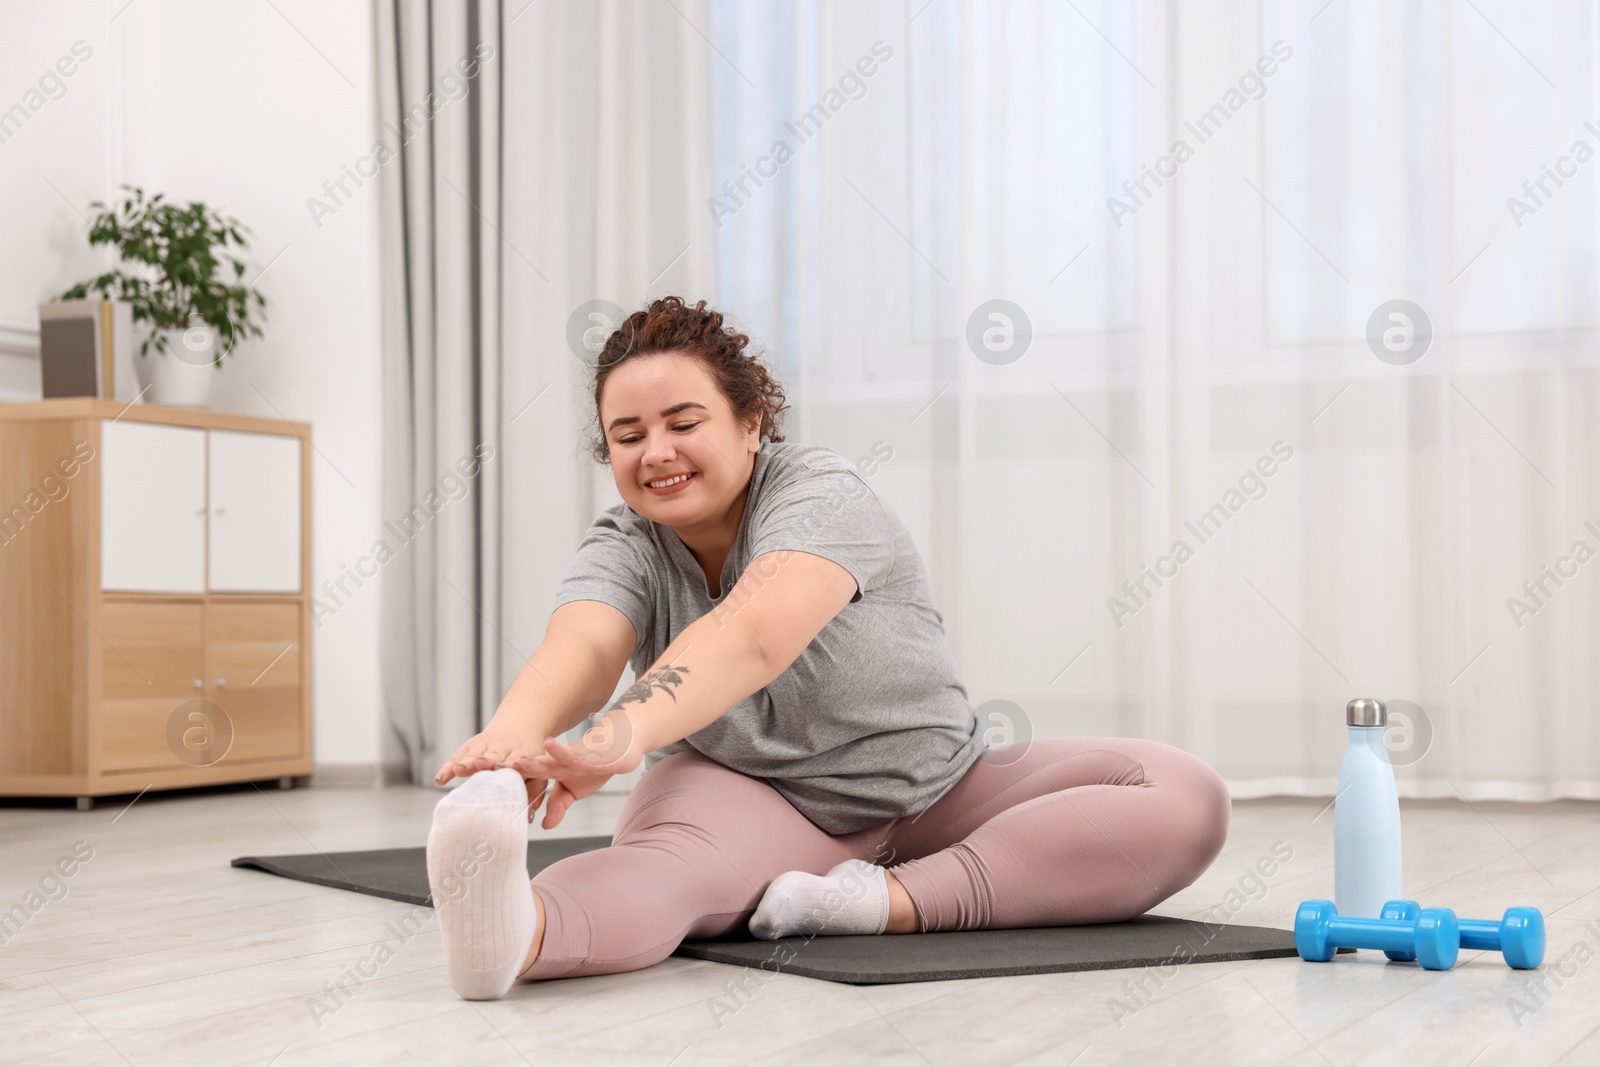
1147 941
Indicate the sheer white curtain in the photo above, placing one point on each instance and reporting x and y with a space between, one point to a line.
1204 329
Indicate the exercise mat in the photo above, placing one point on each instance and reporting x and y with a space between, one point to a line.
397 873
1147 941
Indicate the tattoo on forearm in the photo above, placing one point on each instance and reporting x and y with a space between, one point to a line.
662 678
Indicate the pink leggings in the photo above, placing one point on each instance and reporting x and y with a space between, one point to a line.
1062 831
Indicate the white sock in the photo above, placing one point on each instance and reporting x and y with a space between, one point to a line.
478 873
852 898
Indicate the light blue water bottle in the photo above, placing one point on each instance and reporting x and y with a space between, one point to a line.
1366 818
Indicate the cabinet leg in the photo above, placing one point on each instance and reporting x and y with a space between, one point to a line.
286 781
85 803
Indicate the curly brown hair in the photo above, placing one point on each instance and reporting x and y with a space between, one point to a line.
670 325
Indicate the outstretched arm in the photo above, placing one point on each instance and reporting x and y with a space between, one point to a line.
569 677
780 603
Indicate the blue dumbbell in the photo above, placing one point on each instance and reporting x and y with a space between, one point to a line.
1432 937
1518 937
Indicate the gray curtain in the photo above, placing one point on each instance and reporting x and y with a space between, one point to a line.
541 157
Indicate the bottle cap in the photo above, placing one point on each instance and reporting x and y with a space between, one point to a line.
1365 711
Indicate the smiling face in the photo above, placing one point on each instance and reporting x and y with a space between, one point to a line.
663 415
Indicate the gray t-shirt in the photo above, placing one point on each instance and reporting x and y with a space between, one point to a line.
870 722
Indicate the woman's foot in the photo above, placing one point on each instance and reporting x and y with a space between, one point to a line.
852 898
478 875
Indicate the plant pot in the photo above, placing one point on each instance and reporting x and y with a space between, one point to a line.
183 375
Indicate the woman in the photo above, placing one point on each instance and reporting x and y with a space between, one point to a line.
812 764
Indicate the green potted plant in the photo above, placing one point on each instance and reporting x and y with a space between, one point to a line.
183 286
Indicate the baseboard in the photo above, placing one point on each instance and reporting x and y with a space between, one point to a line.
1423 789
359 775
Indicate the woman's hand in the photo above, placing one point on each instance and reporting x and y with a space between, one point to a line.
496 747
577 770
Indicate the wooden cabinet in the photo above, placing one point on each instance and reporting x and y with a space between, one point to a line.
154 606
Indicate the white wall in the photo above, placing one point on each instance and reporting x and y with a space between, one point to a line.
249 107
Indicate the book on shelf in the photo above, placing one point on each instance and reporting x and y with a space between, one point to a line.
86 348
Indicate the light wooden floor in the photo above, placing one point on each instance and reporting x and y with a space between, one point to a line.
160 953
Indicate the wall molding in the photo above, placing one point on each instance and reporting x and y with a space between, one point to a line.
19 340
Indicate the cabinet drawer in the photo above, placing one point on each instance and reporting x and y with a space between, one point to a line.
186 684
150 664
254 666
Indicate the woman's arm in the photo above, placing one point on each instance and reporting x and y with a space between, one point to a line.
569 677
782 601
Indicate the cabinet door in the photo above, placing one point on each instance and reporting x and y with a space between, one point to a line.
152 507
255 512
153 712
254 665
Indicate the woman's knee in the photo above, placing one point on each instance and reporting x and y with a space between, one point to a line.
1194 807
1205 810
1201 805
